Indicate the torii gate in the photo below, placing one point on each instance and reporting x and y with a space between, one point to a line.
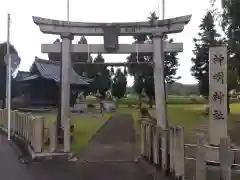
67 30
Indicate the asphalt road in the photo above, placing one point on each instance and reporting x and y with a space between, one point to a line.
119 131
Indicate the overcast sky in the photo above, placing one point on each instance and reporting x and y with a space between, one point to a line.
27 38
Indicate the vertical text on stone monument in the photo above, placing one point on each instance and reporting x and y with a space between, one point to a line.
218 58
219 77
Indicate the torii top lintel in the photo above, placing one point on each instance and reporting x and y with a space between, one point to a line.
173 25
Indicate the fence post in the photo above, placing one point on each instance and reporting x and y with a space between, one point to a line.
13 123
29 125
143 138
179 153
17 122
148 129
38 133
53 137
226 158
156 145
163 150
200 157
171 150
25 126
20 119
5 119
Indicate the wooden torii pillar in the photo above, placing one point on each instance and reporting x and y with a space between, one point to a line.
111 31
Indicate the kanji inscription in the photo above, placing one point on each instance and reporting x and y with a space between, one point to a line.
218 59
217 94
219 77
218 115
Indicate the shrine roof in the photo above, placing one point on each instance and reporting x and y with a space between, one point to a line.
51 70
21 75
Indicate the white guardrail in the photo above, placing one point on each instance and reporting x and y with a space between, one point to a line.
26 126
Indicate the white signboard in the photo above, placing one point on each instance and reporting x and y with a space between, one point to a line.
217 94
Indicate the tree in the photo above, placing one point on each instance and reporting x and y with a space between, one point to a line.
149 89
81 69
208 37
119 84
231 26
102 79
138 86
144 74
3 52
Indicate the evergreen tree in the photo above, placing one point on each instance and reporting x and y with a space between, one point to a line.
119 84
208 37
143 75
138 87
3 68
102 78
231 26
81 69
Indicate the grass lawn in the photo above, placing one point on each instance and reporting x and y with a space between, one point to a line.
190 116
85 126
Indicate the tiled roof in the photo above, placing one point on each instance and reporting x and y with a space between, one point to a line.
51 70
21 75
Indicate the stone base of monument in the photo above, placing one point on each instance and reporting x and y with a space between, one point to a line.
80 107
109 106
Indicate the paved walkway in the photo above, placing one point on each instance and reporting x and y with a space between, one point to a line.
115 141
117 133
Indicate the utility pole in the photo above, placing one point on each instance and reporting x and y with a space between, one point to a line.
68 10
163 9
68 15
8 77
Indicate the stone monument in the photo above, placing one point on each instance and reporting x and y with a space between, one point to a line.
217 99
109 104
